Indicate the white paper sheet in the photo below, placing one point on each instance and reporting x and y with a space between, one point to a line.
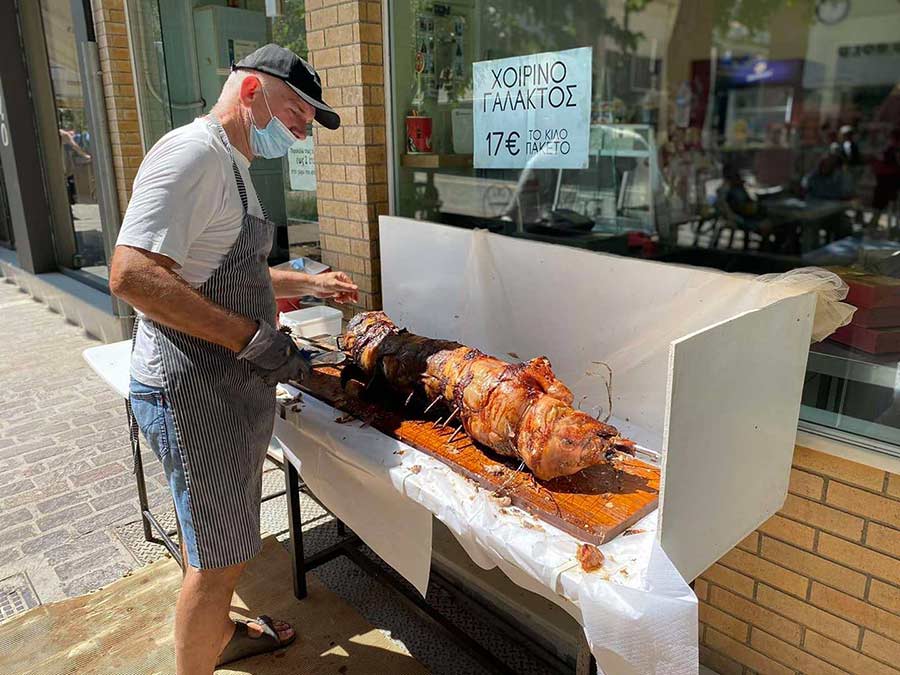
357 486
639 615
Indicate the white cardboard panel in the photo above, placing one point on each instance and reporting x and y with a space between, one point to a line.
734 399
737 349
506 295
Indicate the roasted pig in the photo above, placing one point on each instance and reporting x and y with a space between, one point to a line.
519 410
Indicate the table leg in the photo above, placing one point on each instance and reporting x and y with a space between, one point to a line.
295 528
139 471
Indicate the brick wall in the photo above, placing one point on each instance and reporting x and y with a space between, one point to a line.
118 88
345 45
816 589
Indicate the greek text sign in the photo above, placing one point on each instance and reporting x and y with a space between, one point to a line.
302 165
533 111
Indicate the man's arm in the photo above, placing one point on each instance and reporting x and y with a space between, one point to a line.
335 286
146 281
68 138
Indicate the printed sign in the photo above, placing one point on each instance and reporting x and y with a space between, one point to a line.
238 49
533 111
302 165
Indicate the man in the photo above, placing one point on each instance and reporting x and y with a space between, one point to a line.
191 258
846 148
70 148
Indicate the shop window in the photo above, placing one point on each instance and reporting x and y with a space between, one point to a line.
183 51
299 169
745 136
77 170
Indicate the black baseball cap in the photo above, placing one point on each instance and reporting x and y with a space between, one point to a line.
296 73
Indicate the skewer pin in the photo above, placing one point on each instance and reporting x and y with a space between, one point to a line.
409 398
453 435
452 415
432 404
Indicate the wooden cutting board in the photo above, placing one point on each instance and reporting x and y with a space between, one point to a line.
594 505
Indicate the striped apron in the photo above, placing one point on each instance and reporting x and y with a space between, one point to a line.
223 412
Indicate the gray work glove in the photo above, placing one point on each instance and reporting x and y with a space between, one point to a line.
275 357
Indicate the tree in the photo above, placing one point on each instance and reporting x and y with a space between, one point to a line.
289 30
755 15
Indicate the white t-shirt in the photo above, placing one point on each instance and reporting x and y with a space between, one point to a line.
184 205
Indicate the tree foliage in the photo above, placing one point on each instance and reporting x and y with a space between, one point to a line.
289 30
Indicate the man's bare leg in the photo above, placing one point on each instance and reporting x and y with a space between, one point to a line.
202 624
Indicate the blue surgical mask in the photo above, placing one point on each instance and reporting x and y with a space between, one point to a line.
273 141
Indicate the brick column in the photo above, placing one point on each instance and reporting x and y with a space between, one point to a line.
118 88
345 45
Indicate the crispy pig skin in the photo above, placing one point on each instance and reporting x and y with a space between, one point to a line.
519 410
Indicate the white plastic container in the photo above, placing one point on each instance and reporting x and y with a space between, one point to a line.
313 321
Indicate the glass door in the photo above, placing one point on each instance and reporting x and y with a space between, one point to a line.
77 169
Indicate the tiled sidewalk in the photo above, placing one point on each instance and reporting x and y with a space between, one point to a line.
65 468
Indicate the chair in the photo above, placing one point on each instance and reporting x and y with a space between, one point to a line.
729 220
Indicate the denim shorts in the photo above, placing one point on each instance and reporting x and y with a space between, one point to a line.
154 418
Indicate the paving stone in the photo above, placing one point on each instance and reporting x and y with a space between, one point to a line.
126 496
9 555
114 422
12 518
64 501
65 517
97 578
11 538
18 486
113 451
79 567
122 479
8 475
48 451
90 419
49 488
116 516
98 474
54 428
47 541
76 547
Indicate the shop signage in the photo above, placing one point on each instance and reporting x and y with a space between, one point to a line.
873 64
302 165
881 48
760 71
533 111
238 49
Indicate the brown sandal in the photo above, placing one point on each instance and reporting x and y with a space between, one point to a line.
243 645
